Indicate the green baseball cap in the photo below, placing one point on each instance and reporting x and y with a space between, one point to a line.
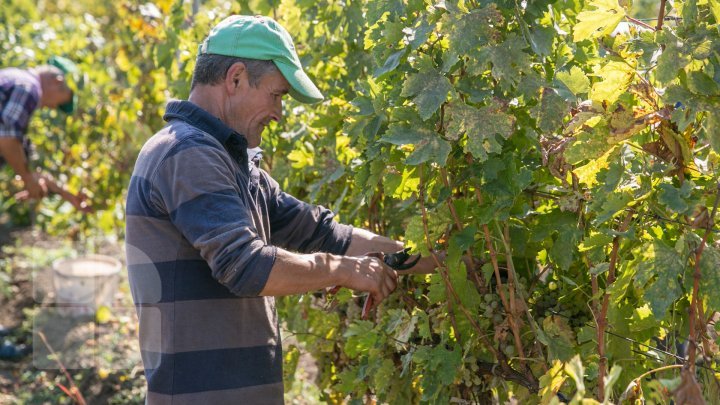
68 68
262 38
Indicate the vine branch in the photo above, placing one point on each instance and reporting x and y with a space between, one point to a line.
507 370
640 23
696 305
601 318
661 15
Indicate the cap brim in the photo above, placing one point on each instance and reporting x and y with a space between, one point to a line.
302 88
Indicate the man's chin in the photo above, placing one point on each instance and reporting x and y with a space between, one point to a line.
254 142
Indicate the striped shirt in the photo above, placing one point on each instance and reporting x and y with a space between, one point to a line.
201 235
20 94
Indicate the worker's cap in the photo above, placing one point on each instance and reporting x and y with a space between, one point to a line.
69 70
262 38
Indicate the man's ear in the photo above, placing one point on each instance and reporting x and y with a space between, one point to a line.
236 76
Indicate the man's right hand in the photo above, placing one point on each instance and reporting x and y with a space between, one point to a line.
35 187
370 274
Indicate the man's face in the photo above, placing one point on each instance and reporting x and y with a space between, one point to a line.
253 108
57 92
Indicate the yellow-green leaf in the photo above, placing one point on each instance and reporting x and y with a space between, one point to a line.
615 78
599 21
587 174
551 382
576 80
715 9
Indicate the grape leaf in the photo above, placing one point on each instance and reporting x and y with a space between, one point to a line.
715 9
541 40
598 19
674 198
558 337
481 126
710 281
429 146
444 364
576 80
609 205
550 111
712 128
509 60
390 64
587 174
465 31
615 78
658 272
430 89
671 60
419 35
551 381
377 9
576 371
700 83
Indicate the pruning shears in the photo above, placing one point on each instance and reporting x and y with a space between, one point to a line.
396 261
399 259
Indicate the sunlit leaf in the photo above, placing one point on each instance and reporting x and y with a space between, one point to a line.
599 18
658 272
481 125
430 89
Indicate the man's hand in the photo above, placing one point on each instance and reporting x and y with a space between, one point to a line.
370 274
35 188
79 200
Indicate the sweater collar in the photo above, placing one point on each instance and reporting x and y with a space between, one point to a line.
199 118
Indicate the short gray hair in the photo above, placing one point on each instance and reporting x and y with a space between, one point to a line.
211 69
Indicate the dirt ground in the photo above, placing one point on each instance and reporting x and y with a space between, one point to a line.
99 356
102 357
11 315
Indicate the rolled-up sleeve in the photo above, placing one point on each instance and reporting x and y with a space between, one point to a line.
196 185
302 227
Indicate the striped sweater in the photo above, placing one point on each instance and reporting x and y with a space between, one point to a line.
203 228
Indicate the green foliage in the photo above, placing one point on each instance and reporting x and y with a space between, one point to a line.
554 141
514 102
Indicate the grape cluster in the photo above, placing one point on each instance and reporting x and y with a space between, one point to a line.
492 308
549 301
544 301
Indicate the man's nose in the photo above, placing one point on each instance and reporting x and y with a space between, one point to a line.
279 107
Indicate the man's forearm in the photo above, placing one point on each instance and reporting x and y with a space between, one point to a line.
12 151
363 242
299 273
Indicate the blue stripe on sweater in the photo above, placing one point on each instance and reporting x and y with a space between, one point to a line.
182 280
138 199
178 373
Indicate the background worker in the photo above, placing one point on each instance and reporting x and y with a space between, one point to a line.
22 91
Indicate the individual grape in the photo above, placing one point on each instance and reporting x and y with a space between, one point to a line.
509 350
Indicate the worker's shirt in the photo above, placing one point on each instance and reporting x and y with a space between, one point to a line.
20 94
201 237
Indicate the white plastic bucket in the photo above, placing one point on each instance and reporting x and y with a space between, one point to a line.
85 283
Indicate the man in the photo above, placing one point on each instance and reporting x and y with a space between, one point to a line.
211 237
21 93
